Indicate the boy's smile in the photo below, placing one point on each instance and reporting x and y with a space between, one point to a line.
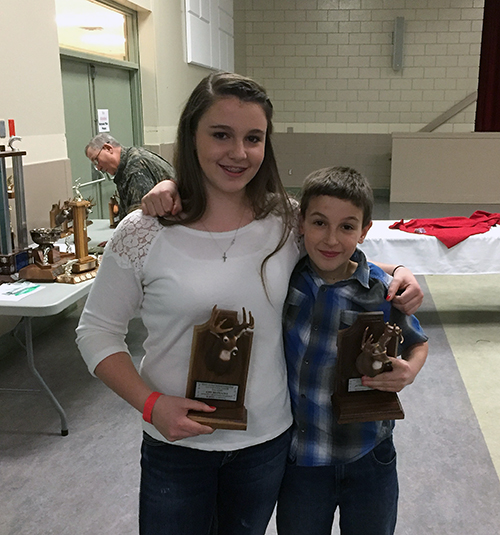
332 229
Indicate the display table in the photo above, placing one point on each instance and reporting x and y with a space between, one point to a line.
52 299
426 255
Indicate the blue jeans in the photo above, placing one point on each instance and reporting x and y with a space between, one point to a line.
365 491
193 492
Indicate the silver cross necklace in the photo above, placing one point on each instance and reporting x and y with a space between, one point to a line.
224 253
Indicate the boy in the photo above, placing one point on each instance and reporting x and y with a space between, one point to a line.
350 466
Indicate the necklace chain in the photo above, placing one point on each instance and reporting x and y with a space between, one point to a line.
224 253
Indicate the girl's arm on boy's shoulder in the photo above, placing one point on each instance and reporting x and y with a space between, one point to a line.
411 296
162 200
404 370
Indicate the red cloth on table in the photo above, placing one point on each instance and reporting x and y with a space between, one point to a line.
450 230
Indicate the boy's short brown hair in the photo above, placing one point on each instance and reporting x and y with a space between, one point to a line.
342 183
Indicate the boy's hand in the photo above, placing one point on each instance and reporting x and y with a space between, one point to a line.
403 372
393 381
162 200
411 295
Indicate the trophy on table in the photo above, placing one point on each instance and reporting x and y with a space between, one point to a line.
48 259
363 349
220 356
14 250
50 263
114 211
84 266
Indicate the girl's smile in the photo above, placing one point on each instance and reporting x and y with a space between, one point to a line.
230 142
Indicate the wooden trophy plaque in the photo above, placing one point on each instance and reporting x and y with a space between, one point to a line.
353 402
220 356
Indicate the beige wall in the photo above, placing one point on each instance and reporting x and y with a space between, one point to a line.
446 168
31 89
299 154
328 64
31 94
167 79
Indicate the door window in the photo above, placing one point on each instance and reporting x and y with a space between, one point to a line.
85 26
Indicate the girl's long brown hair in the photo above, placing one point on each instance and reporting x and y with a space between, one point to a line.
265 191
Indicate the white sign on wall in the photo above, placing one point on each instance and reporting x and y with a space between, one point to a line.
103 120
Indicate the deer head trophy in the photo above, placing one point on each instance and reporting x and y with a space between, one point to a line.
373 358
224 351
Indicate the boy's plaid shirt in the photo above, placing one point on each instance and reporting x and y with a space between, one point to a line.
313 314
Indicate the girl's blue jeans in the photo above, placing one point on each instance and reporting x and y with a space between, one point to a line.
193 492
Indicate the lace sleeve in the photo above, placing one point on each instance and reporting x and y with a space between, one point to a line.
132 239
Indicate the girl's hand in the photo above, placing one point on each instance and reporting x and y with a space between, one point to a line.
411 295
162 200
169 416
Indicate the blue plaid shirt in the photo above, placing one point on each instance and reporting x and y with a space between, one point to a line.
313 314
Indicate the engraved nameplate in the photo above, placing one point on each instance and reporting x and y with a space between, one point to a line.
355 385
222 392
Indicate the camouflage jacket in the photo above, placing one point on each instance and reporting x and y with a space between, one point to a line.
139 170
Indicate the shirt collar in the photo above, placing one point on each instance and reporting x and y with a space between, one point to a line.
362 273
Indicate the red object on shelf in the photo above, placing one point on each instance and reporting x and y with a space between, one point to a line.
12 128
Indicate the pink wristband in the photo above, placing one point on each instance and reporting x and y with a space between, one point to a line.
148 406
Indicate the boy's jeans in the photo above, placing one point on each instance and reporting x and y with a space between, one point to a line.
183 488
366 492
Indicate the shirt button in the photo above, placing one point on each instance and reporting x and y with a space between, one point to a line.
306 361
302 396
323 289
315 327
302 430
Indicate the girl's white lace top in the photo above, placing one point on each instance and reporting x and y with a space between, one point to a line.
173 276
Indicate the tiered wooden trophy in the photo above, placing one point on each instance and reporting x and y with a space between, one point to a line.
84 267
363 349
220 355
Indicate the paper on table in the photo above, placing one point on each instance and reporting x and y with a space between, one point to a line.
17 290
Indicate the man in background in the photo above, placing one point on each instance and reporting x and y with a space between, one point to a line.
135 170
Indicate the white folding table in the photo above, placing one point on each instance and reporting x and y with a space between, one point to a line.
52 299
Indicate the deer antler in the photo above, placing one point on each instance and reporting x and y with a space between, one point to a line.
216 328
239 329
